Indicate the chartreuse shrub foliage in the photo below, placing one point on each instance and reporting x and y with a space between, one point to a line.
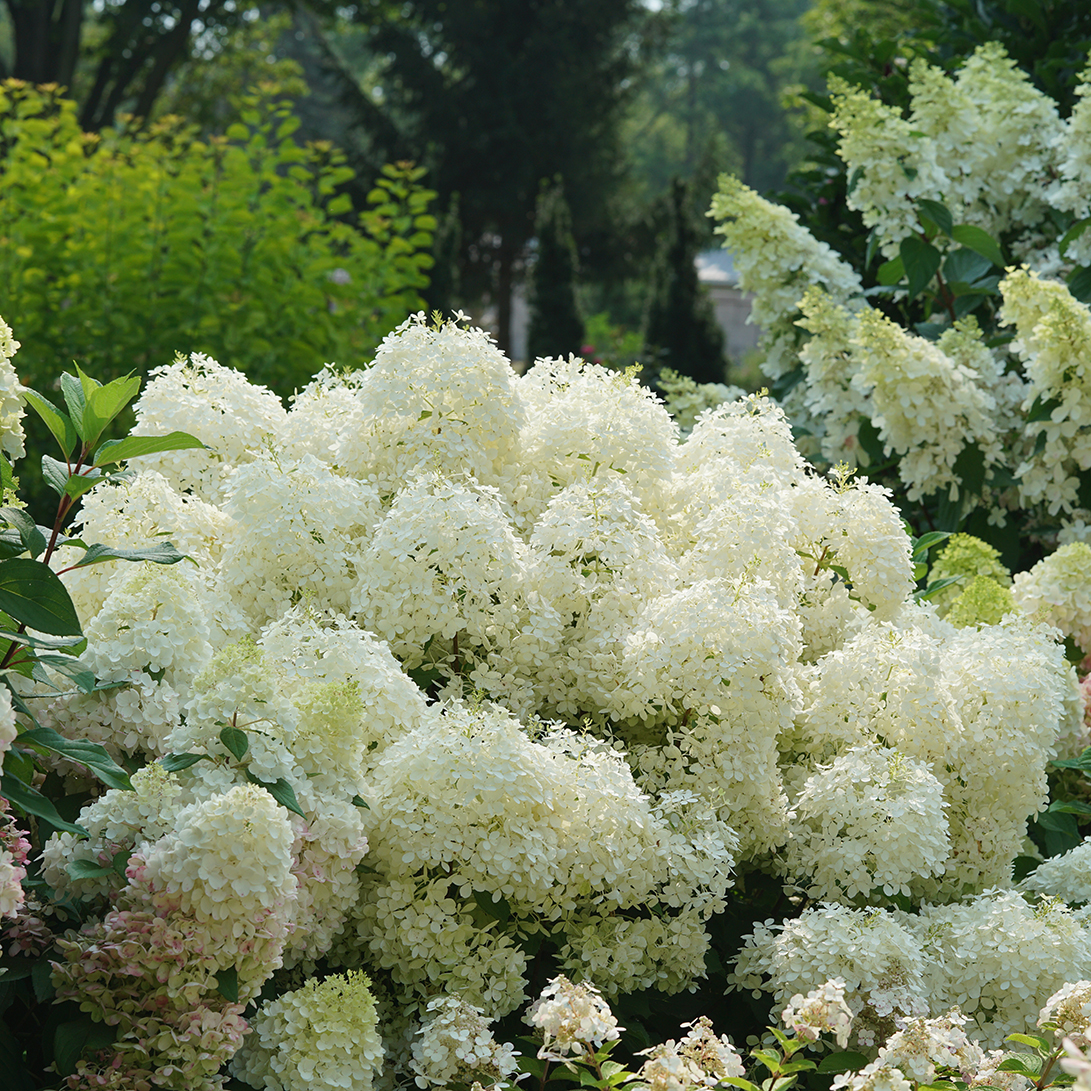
119 249
960 378
477 687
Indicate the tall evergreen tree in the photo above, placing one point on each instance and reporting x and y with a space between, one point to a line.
556 327
680 328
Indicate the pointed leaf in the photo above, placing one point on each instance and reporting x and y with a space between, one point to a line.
359 801
841 1062
31 801
32 594
55 473
90 754
71 1039
281 791
160 553
1042 410
890 272
117 450
938 213
75 399
227 984
56 421
78 484
235 741
174 763
70 667
1079 283
104 403
925 542
497 908
7 475
55 643
30 534
921 260
981 242
87 869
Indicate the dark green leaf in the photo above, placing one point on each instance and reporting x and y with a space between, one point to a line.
235 741
30 534
31 801
32 593
1042 410
938 213
7 474
1083 762
87 869
965 267
227 984
1079 283
78 484
90 754
969 468
921 261
1069 806
497 908
281 791
931 331
41 980
83 678
56 421
935 588
72 1039
117 450
359 801
160 553
1073 233
174 763
981 242
891 272
70 642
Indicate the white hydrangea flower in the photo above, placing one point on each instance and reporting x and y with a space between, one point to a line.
876 1076
700 1059
922 1046
1067 877
318 413
321 1037
235 420
777 260
571 1018
872 819
296 532
999 959
1072 190
9 728
1068 1013
455 1044
822 1009
875 955
1077 1063
11 397
1059 587
440 398
686 400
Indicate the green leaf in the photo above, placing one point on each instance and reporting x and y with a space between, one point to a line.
90 754
281 791
30 534
56 421
938 213
1073 233
227 984
497 908
31 801
117 450
78 484
87 869
1032 1040
981 242
104 403
935 588
160 553
921 260
71 668
1079 283
848 1061
58 642
1069 806
56 475
32 593
174 763
1025 1064
236 741
969 468
965 267
1083 762
891 272
1042 410
72 1039
924 543
75 399
359 801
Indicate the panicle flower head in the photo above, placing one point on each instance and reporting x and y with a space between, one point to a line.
822 1009
700 1059
924 1045
11 398
571 1018
455 1044
1068 1013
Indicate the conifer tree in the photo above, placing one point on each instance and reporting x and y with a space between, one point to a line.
556 327
680 328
